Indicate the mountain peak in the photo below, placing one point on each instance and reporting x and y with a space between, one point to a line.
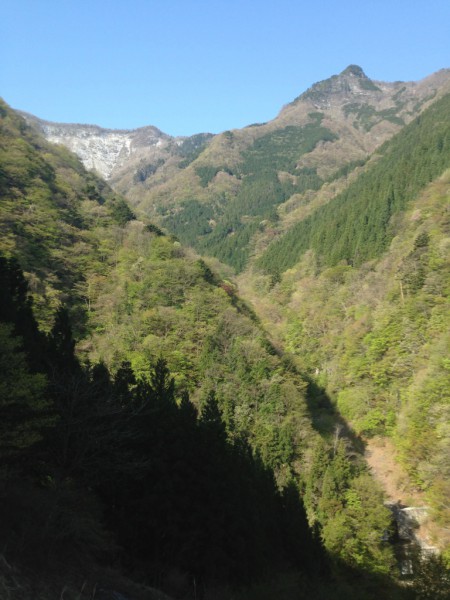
350 83
354 70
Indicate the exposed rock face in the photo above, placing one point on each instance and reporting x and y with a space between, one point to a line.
352 83
110 151
99 149
410 538
409 521
414 527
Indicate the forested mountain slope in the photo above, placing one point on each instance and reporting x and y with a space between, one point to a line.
105 455
374 333
227 197
362 302
359 223
133 293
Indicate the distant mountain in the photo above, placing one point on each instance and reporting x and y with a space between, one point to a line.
357 225
111 152
225 194
252 181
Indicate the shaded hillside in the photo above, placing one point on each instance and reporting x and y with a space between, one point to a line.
132 292
165 328
94 462
98 459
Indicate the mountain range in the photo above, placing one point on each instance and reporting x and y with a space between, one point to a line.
278 294
227 195
353 106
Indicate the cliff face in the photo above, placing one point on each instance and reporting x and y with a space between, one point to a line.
105 150
113 153
99 150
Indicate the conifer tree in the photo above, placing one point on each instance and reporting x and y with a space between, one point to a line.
61 345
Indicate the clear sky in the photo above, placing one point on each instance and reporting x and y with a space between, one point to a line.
188 66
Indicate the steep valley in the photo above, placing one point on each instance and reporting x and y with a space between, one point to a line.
270 305
374 338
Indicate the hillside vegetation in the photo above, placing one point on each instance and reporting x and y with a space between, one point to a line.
166 434
358 224
260 192
375 336
231 199
365 307
150 423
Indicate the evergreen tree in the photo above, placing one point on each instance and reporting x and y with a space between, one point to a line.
123 384
162 385
61 346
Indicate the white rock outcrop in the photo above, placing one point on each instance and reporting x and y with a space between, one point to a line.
106 150
103 150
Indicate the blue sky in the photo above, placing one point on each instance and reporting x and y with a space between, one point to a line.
188 66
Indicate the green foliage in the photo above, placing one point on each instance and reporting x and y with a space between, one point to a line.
281 150
346 169
208 172
161 328
343 499
21 393
121 212
376 338
357 225
152 228
157 301
190 221
225 226
146 170
432 578
367 117
50 209
191 148
163 483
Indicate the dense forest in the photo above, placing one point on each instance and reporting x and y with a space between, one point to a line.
260 192
172 489
149 424
373 330
358 225
375 338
